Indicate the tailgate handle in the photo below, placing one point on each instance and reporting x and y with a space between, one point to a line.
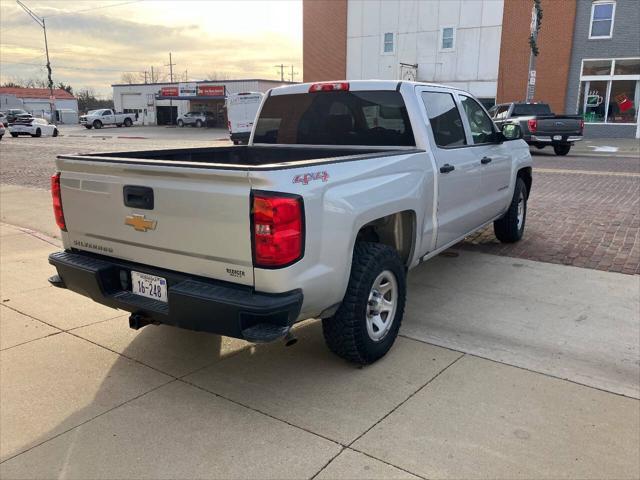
138 197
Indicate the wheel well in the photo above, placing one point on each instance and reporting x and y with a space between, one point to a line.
396 230
525 175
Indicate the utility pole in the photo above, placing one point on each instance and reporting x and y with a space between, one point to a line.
145 77
171 64
292 74
40 21
186 76
281 67
153 78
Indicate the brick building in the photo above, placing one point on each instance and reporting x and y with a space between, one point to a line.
589 60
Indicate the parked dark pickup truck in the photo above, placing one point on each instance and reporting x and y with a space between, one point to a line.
540 126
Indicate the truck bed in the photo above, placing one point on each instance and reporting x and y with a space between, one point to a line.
239 157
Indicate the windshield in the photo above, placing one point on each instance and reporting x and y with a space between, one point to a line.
93 112
526 109
335 118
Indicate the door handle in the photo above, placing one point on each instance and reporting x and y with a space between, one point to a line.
446 168
486 160
136 196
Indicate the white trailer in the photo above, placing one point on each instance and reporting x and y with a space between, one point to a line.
242 109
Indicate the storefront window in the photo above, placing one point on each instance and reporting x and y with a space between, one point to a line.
627 67
623 101
595 103
610 95
596 67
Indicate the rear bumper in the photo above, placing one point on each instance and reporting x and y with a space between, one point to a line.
547 139
242 137
194 303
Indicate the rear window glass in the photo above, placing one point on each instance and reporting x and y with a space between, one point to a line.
524 109
335 118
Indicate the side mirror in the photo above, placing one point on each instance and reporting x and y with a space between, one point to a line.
511 131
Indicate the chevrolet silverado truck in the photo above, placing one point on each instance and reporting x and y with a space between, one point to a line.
343 187
540 126
105 116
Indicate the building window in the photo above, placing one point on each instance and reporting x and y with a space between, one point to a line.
610 90
602 15
448 41
388 43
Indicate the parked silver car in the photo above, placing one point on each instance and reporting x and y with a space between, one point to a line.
195 119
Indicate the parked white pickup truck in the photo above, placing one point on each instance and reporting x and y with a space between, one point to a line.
344 186
106 116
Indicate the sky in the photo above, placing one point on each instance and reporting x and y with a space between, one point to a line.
91 43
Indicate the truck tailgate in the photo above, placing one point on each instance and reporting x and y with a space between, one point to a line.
558 126
199 222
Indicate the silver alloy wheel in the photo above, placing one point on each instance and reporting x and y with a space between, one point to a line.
520 210
381 307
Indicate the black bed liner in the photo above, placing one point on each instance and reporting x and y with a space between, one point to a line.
240 157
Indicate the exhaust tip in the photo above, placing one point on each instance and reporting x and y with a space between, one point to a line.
290 339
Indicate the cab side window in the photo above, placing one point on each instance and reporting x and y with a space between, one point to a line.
444 118
481 125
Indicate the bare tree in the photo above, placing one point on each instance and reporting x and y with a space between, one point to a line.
132 77
215 75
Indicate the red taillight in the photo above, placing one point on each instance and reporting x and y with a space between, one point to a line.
533 125
329 87
56 195
581 125
278 230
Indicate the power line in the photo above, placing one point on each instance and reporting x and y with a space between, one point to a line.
93 8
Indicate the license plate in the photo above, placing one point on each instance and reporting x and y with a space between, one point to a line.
557 137
149 286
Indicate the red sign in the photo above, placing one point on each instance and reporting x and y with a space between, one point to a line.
169 92
211 90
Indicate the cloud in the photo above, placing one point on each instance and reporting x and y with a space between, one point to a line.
93 49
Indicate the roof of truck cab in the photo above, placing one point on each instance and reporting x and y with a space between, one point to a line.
357 85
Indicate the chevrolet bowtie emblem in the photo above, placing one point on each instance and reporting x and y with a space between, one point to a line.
140 223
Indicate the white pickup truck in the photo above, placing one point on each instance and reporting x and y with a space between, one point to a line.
106 116
343 188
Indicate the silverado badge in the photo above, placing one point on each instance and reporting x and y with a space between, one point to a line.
140 223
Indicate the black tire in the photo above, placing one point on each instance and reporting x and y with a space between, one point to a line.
539 146
180 123
119 125
127 122
97 124
88 127
14 135
346 332
199 123
55 132
38 133
1 137
561 150
507 229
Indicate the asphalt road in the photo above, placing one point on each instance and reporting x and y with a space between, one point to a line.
583 209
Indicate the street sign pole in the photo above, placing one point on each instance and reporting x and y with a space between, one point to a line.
531 77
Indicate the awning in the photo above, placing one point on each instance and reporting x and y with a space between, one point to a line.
193 97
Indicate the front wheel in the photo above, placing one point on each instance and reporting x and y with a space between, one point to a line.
88 127
55 132
199 123
14 135
180 123
38 133
561 149
510 228
366 325
97 124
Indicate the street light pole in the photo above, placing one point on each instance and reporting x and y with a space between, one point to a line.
40 21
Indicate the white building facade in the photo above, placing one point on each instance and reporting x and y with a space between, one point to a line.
455 42
162 103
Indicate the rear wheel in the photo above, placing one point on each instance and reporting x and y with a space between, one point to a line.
127 122
55 132
561 149
180 123
38 133
199 123
366 325
14 135
88 127
119 125
510 227
97 124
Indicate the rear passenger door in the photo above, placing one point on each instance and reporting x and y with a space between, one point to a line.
458 168
492 158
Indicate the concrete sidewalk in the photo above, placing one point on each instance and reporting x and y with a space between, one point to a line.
474 387
608 147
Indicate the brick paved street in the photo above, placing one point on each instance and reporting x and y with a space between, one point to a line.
583 211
